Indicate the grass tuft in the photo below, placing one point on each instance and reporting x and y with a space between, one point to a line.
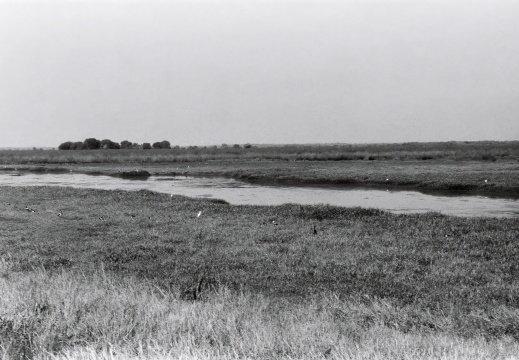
100 315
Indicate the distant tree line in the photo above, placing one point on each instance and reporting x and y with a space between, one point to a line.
94 144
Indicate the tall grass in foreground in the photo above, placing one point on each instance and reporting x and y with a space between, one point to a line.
98 315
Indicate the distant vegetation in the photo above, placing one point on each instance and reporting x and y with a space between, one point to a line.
481 150
107 144
162 145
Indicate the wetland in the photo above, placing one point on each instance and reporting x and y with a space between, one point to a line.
109 273
238 192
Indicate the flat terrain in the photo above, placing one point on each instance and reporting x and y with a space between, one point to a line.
145 275
90 274
490 168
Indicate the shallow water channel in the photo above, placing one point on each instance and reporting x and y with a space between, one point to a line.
239 193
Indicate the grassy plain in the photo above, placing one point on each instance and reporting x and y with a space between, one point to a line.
452 167
480 150
140 275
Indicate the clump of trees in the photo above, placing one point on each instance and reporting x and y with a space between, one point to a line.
162 145
109 144
95 144
69 145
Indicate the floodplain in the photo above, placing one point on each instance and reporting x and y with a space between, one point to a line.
96 274
429 167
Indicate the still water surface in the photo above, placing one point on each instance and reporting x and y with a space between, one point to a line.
239 193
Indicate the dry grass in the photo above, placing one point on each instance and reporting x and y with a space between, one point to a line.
70 315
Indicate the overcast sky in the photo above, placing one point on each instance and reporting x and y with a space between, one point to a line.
204 72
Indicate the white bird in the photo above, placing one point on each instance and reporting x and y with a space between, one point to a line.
60 213
199 213
486 180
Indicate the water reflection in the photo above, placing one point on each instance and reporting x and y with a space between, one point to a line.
237 192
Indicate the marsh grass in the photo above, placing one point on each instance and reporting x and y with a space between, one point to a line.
444 167
481 151
99 315
152 279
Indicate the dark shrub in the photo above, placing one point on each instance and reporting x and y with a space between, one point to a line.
92 144
125 144
109 144
136 174
78 145
218 201
162 145
66 146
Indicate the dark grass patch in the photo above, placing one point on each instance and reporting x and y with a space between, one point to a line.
48 170
135 174
459 187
